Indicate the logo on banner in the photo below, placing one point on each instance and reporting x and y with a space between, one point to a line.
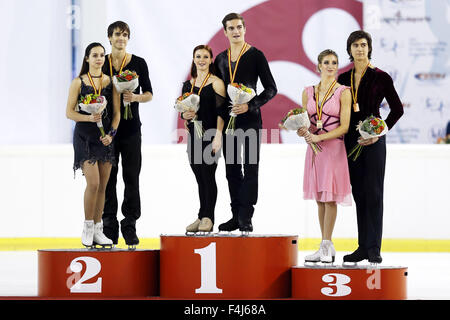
407 2
425 76
398 18
434 104
389 44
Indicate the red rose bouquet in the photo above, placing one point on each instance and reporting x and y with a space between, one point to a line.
126 81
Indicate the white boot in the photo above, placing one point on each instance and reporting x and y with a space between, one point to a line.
328 253
315 257
99 236
87 237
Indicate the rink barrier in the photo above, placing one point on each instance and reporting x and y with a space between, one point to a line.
306 244
227 266
86 273
349 283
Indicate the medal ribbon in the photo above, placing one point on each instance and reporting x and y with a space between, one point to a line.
355 92
319 111
99 91
203 84
121 66
237 62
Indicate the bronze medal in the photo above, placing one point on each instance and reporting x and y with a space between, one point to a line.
319 124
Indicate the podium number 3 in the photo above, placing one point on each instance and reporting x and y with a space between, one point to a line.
338 281
208 269
77 284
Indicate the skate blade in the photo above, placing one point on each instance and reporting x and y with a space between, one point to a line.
199 233
224 232
245 233
132 247
311 263
97 246
203 233
349 264
329 262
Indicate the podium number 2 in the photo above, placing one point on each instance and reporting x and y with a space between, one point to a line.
208 269
76 283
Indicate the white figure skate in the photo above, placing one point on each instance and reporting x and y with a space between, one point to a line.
87 237
100 240
325 254
328 253
314 258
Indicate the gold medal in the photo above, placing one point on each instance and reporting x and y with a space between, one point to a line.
233 74
355 92
99 90
121 65
203 84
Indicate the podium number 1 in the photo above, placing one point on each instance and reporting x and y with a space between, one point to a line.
208 269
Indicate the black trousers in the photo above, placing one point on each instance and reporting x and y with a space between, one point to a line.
130 150
205 174
367 180
203 163
243 186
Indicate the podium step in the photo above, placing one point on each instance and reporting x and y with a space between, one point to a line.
227 266
83 273
349 283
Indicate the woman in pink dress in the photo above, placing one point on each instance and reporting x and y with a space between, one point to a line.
326 177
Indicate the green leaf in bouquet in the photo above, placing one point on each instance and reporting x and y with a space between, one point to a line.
366 126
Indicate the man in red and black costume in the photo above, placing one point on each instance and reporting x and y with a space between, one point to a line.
369 86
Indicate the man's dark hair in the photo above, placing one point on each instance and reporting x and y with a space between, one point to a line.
232 16
355 36
122 26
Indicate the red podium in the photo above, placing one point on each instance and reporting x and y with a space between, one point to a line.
227 266
86 273
349 283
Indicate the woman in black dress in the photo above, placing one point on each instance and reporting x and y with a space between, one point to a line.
202 153
93 153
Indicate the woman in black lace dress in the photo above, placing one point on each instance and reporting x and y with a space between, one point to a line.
203 151
93 153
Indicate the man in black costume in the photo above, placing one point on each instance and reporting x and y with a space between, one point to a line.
243 64
128 138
